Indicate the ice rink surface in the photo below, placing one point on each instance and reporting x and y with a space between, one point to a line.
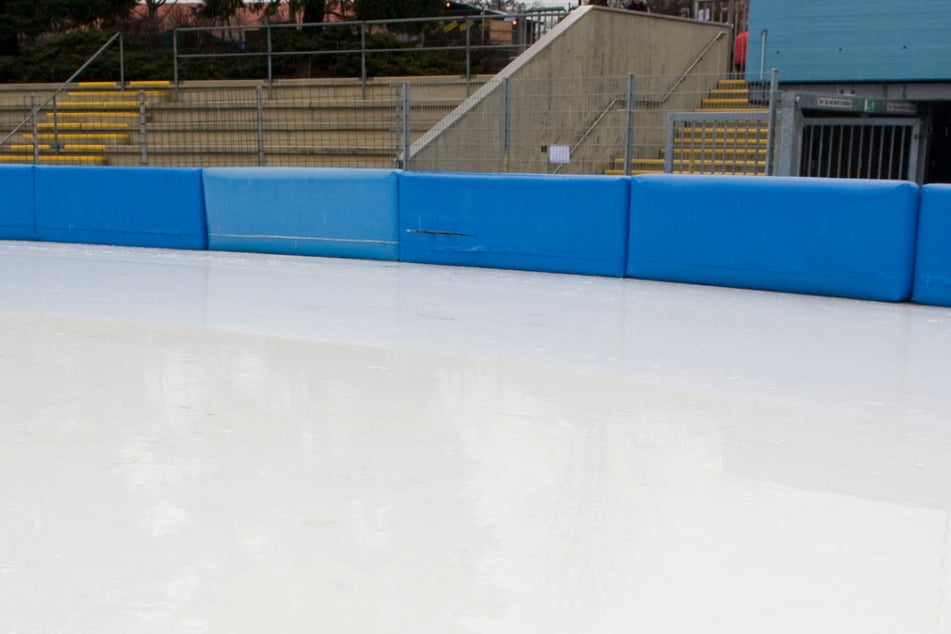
214 443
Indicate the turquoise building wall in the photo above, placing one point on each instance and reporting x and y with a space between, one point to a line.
851 40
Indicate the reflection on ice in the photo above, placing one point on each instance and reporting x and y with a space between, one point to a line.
233 442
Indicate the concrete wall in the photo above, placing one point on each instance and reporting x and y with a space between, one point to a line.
549 104
843 40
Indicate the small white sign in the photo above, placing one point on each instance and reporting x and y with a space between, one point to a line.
558 154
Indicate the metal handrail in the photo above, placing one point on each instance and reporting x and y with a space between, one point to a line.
543 15
72 78
587 132
670 91
683 75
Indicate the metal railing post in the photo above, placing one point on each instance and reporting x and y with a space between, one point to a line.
506 123
669 145
36 131
521 31
143 131
262 158
405 123
175 59
468 56
55 127
121 63
771 124
270 64
629 136
363 57
762 54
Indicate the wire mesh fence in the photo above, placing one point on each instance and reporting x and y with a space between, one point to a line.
603 125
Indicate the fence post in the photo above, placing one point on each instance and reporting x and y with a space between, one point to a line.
506 123
521 22
405 124
669 145
36 147
788 155
771 123
270 65
762 53
363 58
262 159
143 131
468 56
55 126
629 137
175 59
121 63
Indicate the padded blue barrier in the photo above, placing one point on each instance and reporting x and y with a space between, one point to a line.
558 224
127 206
17 217
933 264
819 236
350 213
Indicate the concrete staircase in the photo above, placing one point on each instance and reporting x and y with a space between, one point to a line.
712 146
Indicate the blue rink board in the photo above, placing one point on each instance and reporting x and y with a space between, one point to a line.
17 217
818 236
557 224
125 206
933 263
350 213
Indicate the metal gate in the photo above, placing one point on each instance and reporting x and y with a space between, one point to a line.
875 148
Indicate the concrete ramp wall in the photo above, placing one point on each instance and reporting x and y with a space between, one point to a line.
548 104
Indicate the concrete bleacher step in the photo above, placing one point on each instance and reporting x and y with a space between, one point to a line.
641 172
94 115
87 137
714 108
726 153
54 159
721 165
730 93
690 156
112 94
721 133
148 83
98 104
84 125
65 147
725 103
634 172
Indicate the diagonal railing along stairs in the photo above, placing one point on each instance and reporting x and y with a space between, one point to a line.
81 128
707 145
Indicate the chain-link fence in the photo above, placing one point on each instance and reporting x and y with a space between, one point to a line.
614 125
320 123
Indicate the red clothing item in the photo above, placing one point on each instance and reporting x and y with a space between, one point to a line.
739 49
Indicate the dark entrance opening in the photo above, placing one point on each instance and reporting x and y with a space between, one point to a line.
938 168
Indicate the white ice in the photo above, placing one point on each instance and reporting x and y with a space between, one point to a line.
239 443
